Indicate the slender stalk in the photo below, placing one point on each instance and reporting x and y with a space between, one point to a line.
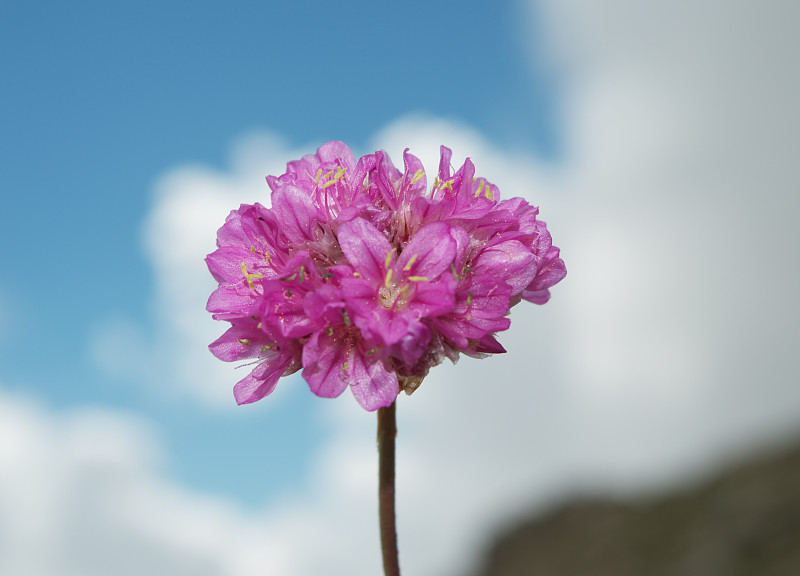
387 431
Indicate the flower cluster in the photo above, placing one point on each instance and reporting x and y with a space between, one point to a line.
364 276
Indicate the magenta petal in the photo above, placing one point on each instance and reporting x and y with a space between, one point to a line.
414 343
536 296
365 248
444 162
383 326
324 305
296 212
433 298
372 385
509 261
489 298
337 152
466 178
384 177
461 238
550 274
231 301
263 379
365 165
225 264
242 340
413 172
429 253
325 363
488 345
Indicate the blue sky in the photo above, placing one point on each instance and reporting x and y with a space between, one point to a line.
127 134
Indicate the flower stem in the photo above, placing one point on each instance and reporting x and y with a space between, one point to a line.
387 431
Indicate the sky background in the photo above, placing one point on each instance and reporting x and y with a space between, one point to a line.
659 140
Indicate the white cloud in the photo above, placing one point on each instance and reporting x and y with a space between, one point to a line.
81 493
670 345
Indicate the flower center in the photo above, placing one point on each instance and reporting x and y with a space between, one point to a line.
388 295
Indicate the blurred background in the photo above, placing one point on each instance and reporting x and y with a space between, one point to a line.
645 421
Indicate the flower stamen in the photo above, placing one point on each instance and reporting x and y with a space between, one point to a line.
407 267
250 277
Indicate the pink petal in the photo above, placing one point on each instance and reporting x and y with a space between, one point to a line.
384 177
413 169
536 296
337 152
433 298
444 162
365 248
263 379
242 340
430 252
296 212
509 261
372 384
550 274
325 363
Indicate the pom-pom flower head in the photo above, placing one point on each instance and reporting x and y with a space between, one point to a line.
365 277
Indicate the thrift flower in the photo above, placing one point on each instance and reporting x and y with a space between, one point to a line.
365 277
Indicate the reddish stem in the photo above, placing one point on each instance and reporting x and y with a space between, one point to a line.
387 431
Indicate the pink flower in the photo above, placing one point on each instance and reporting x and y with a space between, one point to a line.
365 277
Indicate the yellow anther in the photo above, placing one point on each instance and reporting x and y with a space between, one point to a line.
267 347
488 194
244 341
267 256
418 175
345 366
339 172
418 278
448 185
388 259
480 188
388 281
253 250
319 174
469 299
250 277
436 181
410 262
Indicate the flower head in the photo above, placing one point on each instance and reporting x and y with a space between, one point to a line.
365 277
